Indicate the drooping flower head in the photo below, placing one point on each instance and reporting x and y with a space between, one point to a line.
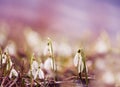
50 62
34 67
78 61
4 58
39 73
48 49
13 72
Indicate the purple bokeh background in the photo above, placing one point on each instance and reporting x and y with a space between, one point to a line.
68 17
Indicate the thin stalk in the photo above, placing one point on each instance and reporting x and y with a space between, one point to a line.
8 60
32 82
53 59
31 79
52 55
84 62
31 60
79 74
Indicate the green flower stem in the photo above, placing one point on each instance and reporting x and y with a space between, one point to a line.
53 59
84 62
52 54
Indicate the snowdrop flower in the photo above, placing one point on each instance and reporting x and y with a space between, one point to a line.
4 58
7 60
78 61
48 65
77 58
39 73
13 73
36 70
34 67
50 62
48 49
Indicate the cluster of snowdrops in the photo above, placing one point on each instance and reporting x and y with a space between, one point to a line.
35 71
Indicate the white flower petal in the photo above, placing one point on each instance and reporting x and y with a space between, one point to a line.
34 65
4 58
41 74
35 74
13 72
77 58
34 68
75 61
80 67
29 72
48 64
